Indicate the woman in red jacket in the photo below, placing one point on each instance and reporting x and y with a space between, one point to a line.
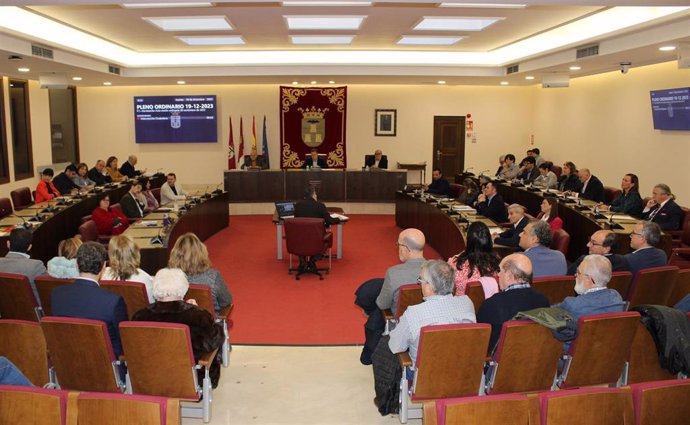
549 213
45 190
109 221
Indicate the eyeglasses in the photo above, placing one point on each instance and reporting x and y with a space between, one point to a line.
635 234
420 281
595 243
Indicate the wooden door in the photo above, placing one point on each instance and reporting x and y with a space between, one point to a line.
449 145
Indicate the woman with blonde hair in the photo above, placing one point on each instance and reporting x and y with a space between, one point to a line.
64 266
191 255
123 260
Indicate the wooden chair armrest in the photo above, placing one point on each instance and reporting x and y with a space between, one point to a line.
72 408
534 412
405 359
173 412
225 311
207 358
387 314
429 413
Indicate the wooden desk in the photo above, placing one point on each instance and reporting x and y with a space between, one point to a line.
421 167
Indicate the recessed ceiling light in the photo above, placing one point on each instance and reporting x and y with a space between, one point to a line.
575 68
326 3
529 77
667 48
420 40
212 40
331 82
295 82
76 78
321 39
192 23
162 5
313 82
324 22
181 82
484 5
504 83
23 69
107 83
441 82
431 23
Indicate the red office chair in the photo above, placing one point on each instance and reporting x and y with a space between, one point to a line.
611 193
456 190
557 170
5 207
308 239
89 233
560 241
21 198
157 194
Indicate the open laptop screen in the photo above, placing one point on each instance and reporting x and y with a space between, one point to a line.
285 209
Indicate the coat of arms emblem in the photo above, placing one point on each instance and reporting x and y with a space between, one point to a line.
175 120
313 126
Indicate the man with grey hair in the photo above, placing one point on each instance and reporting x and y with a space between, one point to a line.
662 209
128 169
535 240
511 236
593 274
643 239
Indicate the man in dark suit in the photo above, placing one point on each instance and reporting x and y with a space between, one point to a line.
311 207
439 185
511 236
63 181
314 160
591 188
253 160
85 299
18 261
516 295
129 203
662 209
535 240
643 240
96 174
491 205
528 171
378 160
603 242
128 169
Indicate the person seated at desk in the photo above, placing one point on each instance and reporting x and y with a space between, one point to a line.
113 171
18 260
151 201
46 190
98 174
314 160
536 154
64 266
547 179
591 187
378 160
569 181
510 169
644 239
501 160
518 219
124 258
528 171
63 181
128 169
535 240
662 209
490 204
629 201
171 191
131 203
109 221
310 206
476 261
439 185
82 179
549 214
603 242
471 192
254 160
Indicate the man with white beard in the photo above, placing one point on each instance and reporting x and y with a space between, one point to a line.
592 276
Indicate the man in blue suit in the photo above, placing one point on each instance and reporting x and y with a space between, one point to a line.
86 300
491 205
535 240
643 239
511 236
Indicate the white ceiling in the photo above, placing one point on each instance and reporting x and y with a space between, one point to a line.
372 58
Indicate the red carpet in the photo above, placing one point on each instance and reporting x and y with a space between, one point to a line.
271 307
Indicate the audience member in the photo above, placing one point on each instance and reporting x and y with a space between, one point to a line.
127 168
82 179
253 160
535 153
629 201
85 299
113 171
477 260
11 375
511 236
98 174
191 255
379 294
439 185
151 201
546 179
310 206
109 221
45 190
314 160
63 181
501 161
171 191
535 240
569 181
18 260
662 209
470 194
490 204
514 278
603 242
124 259
169 289
591 188
131 203
64 266
528 171
510 168
549 214
644 239
376 161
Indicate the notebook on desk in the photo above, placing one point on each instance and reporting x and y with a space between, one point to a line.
285 209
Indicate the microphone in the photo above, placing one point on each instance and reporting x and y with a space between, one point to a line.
218 190
23 224
158 239
159 172
206 194
482 173
467 170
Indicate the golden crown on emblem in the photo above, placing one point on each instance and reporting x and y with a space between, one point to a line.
312 112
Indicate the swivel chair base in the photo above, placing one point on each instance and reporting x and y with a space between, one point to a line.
308 265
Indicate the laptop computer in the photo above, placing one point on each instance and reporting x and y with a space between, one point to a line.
286 209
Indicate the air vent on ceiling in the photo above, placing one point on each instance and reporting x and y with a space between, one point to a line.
585 52
512 69
40 51
114 69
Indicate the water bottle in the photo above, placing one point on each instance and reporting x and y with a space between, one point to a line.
367 168
166 220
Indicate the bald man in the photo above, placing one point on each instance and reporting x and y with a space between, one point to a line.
377 161
516 295
128 169
591 187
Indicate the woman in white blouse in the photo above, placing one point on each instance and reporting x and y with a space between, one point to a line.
124 258
547 179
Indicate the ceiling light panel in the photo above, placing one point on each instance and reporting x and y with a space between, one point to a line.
324 22
211 40
321 39
327 3
165 5
484 5
192 23
431 23
414 40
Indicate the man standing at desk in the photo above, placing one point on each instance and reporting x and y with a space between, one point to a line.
311 207
376 161
439 185
313 160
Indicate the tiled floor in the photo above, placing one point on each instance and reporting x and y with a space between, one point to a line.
296 385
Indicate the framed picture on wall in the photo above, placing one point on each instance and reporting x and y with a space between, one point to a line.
385 122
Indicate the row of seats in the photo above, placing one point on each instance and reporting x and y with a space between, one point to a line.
650 403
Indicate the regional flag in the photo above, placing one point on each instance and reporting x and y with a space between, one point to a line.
232 164
253 132
240 153
264 146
